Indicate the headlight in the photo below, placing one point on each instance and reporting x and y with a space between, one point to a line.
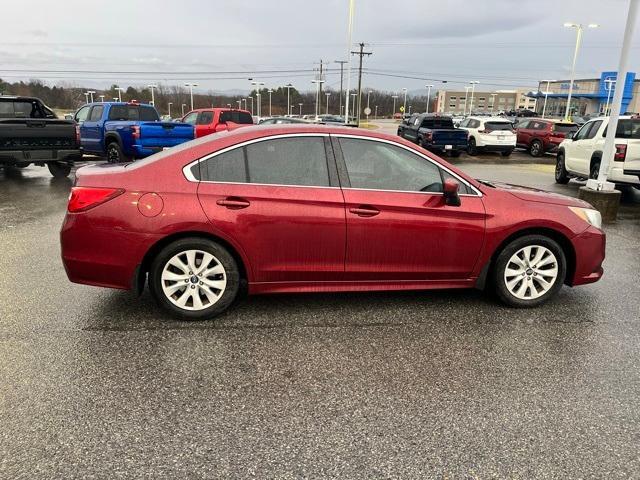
589 215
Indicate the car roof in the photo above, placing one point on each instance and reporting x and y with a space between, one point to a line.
219 109
491 119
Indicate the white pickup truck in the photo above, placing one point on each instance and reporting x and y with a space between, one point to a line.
579 156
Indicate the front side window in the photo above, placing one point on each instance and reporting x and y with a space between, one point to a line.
582 133
190 118
205 118
379 166
594 129
96 113
81 115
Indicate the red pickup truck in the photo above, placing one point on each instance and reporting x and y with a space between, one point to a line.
211 120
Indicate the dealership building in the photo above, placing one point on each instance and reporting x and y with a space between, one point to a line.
590 95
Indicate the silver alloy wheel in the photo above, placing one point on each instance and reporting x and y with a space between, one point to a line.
531 272
193 280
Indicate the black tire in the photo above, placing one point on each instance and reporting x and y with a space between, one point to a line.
561 174
59 169
225 259
115 153
455 153
506 153
472 149
595 169
536 149
502 262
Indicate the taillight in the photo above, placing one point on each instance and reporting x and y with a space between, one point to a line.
135 131
82 199
77 134
621 153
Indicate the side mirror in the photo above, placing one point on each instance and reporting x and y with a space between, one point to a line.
450 190
573 135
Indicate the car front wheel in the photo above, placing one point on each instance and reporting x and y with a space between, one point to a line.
472 149
194 279
59 169
536 148
561 174
529 271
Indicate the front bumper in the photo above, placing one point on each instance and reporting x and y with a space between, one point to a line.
589 247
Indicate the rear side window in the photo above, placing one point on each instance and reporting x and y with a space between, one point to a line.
627 128
96 113
288 161
236 116
205 118
498 126
23 109
281 161
133 113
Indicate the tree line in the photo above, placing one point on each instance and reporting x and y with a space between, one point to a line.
69 97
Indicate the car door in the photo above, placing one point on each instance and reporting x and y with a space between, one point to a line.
524 133
204 123
191 119
398 225
93 129
583 148
572 151
80 118
278 199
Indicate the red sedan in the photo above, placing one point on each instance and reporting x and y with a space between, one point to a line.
311 208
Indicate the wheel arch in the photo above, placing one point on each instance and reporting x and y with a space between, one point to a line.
142 269
559 237
112 137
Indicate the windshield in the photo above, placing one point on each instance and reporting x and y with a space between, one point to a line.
24 109
133 112
629 128
498 126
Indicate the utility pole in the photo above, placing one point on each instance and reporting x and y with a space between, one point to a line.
361 53
341 62
320 85
288 87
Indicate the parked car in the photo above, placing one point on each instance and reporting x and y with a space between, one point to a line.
330 118
279 120
543 135
30 133
312 208
580 156
122 131
212 120
489 134
434 132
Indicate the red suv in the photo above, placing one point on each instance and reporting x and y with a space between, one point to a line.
212 120
543 135
313 208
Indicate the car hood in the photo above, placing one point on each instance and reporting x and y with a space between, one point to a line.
536 195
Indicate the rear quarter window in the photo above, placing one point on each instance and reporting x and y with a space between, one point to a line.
628 128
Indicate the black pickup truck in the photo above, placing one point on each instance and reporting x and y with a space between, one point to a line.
31 133
434 132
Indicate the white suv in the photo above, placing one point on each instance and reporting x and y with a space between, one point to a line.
579 156
491 134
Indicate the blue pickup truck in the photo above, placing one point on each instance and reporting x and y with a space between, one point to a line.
125 131
434 132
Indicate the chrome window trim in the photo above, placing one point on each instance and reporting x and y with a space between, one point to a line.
437 164
186 170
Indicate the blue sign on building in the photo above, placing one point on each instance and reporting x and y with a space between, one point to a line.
608 85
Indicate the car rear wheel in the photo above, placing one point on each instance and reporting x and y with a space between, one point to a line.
115 153
455 153
506 153
529 271
59 169
536 149
561 174
194 279
595 170
472 149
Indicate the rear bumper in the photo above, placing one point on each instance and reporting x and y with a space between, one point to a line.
100 256
590 252
141 151
36 156
496 148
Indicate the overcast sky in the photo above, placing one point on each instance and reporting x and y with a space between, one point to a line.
219 44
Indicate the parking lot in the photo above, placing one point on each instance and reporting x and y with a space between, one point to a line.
95 383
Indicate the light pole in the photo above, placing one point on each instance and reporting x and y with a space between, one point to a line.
410 109
91 92
101 97
546 94
191 85
493 102
404 105
466 95
473 88
395 97
353 108
288 87
183 105
579 28
115 99
245 102
300 105
86 97
352 6
169 105
327 94
270 91
153 98
257 86
368 109
120 90
251 97
317 83
429 87
239 102
610 82
375 116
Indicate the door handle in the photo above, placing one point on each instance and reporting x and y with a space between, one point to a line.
365 211
233 203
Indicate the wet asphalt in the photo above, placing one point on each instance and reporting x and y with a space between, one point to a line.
97 383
